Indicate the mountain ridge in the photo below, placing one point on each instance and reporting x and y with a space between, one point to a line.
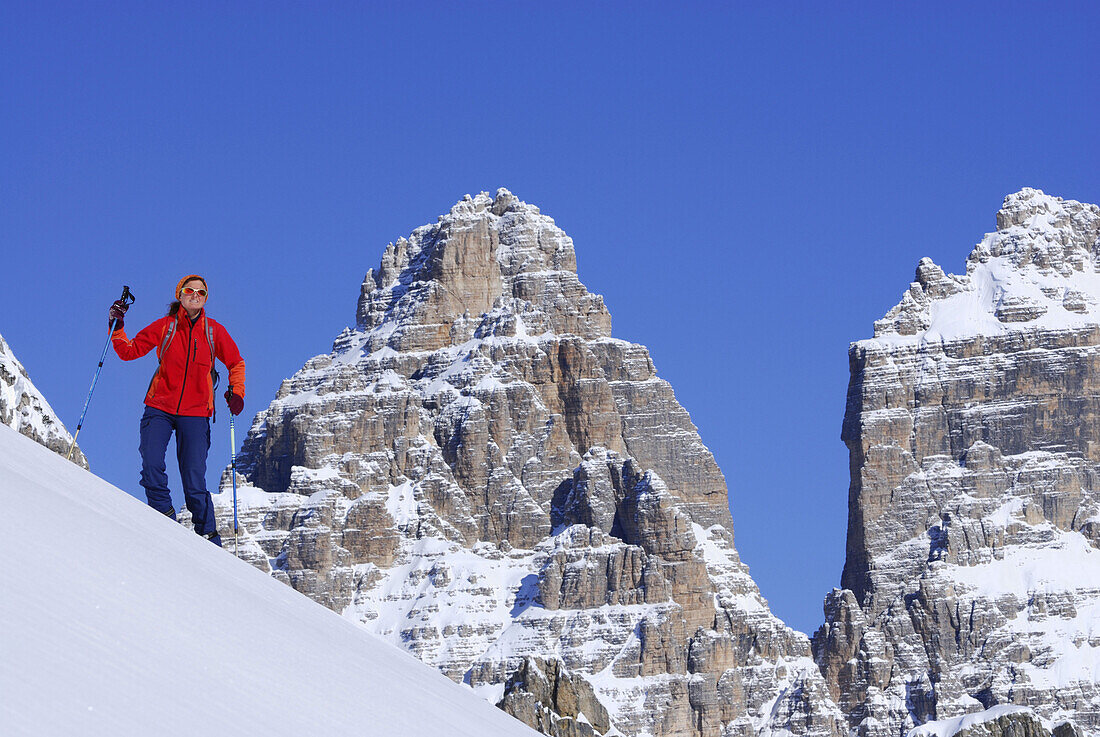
515 496
502 458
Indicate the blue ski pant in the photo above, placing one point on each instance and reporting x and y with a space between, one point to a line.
192 445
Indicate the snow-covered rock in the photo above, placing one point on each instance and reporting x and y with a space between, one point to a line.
997 721
1036 274
25 410
972 576
480 473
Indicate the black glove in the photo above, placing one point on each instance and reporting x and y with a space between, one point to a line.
117 312
236 403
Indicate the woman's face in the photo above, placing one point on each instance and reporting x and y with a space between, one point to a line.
194 301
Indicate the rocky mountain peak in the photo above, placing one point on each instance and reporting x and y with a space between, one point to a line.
1039 269
481 474
972 574
25 410
1055 235
492 265
1022 208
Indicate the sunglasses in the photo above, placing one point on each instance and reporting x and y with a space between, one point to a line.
190 290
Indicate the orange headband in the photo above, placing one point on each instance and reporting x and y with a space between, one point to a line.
188 278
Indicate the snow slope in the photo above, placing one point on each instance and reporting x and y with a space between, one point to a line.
115 620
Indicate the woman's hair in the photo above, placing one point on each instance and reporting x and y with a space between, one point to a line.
173 308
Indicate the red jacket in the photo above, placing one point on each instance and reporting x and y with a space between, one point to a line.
182 384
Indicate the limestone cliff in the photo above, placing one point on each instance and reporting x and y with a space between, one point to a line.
482 474
972 576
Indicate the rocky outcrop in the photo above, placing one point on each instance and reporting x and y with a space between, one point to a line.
972 577
480 473
25 410
997 721
546 697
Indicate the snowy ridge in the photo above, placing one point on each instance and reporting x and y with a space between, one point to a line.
1038 271
85 618
950 727
25 410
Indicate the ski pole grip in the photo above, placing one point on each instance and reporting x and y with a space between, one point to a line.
128 296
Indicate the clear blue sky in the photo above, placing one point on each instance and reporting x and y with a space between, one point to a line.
750 186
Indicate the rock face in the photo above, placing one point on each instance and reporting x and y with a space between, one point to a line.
25 410
545 697
997 721
972 575
480 473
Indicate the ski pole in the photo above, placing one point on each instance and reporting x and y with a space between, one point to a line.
129 299
233 461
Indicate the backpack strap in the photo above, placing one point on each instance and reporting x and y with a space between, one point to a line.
166 341
214 378
209 338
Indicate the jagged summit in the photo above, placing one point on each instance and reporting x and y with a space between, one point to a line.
1040 269
25 410
481 474
1033 210
491 266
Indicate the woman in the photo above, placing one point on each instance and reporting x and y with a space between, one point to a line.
181 396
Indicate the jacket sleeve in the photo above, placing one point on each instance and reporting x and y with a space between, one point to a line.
227 352
145 341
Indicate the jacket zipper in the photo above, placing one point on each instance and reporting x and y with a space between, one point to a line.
186 366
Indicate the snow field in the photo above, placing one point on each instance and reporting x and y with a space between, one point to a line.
119 621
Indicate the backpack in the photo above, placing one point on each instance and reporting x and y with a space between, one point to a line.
214 378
